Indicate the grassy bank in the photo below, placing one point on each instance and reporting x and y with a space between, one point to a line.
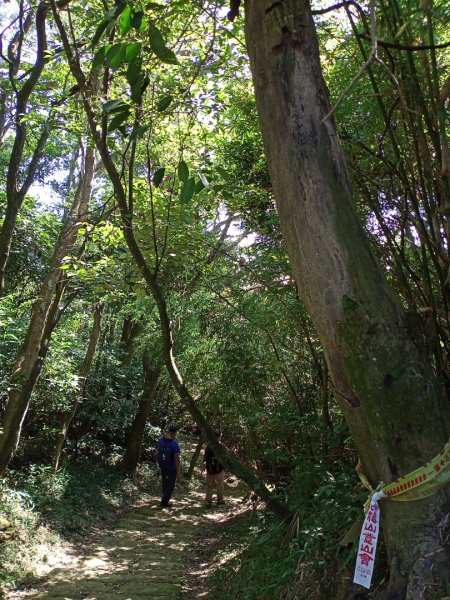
43 516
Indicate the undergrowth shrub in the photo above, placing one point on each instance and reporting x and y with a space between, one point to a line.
327 506
42 512
305 559
25 541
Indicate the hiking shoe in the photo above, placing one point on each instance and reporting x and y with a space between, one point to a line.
165 504
219 502
208 505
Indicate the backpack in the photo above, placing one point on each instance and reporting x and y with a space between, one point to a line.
213 466
165 454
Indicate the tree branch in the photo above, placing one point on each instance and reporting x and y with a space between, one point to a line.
385 44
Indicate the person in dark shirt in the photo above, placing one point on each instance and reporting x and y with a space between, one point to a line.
169 463
215 475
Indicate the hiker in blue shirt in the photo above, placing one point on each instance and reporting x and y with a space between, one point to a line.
169 462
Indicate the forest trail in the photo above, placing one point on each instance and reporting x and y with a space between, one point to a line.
146 555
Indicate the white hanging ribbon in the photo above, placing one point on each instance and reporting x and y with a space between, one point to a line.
368 539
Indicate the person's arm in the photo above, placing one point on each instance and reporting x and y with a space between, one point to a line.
176 455
206 455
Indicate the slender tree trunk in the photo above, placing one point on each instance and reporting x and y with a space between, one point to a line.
54 316
66 417
16 188
4 125
86 420
376 352
122 381
22 375
152 372
194 459
6 234
131 330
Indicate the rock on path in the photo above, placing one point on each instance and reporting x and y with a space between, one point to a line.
145 556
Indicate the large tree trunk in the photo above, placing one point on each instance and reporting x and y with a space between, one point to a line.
66 417
377 356
152 372
24 370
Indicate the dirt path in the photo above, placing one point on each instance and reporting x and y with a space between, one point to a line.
147 554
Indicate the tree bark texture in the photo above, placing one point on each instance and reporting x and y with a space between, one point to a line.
25 365
376 353
66 417
152 372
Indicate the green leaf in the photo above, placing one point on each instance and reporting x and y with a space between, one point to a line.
164 103
125 21
139 290
145 84
117 121
99 56
108 21
136 87
103 25
188 191
403 27
139 87
133 71
158 45
115 55
132 51
48 54
222 172
199 186
159 176
136 19
157 42
168 56
183 171
227 195
112 106
138 132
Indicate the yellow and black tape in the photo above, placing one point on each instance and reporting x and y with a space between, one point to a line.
421 483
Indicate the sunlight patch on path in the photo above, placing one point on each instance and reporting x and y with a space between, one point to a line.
145 556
